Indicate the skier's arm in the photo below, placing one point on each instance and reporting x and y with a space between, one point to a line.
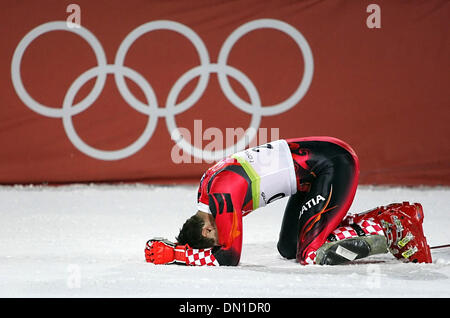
225 197
230 238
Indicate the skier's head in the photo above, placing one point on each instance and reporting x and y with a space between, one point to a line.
199 231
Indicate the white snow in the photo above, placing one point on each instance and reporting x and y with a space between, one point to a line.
88 241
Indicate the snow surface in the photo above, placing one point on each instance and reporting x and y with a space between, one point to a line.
88 241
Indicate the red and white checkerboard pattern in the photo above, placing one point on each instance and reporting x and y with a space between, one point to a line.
344 232
310 258
369 226
200 257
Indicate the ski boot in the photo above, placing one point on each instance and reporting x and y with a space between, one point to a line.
402 226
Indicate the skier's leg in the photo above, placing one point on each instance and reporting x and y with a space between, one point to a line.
350 242
287 243
326 204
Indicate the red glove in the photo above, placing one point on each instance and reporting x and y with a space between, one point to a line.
162 251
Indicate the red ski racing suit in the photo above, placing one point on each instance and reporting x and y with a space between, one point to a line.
320 174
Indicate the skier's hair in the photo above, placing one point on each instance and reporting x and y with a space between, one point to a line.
191 233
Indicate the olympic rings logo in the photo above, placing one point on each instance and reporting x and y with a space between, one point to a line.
172 108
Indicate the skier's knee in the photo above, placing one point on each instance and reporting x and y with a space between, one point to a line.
286 251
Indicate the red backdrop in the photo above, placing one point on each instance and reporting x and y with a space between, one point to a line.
383 90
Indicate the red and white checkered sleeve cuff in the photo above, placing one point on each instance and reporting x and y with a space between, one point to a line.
200 257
